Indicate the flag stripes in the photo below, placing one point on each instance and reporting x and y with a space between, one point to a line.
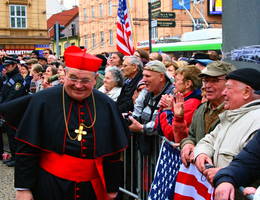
124 31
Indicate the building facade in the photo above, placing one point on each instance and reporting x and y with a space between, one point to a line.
23 26
69 19
98 21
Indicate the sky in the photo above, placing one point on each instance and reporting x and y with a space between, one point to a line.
70 3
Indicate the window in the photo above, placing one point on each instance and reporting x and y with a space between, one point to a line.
102 38
93 40
111 38
101 10
86 42
73 29
18 16
92 11
85 14
110 9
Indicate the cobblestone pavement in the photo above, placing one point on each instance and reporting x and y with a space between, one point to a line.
7 191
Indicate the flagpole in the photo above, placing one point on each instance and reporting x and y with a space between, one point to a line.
132 24
150 25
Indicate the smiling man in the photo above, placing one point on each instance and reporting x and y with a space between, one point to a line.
69 138
147 104
206 116
237 124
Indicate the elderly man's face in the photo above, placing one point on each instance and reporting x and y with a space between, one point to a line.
234 94
214 87
128 69
153 81
79 83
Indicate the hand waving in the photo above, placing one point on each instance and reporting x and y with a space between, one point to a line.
178 104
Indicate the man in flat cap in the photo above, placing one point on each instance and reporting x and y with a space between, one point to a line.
12 88
70 138
237 126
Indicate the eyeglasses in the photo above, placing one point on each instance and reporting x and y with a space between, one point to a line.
212 80
83 80
45 53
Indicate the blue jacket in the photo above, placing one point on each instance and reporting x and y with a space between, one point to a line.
245 168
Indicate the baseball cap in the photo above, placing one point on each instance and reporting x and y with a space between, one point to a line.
217 68
31 61
203 62
156 66
249 76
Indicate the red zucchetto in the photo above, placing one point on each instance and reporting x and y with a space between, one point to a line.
77 58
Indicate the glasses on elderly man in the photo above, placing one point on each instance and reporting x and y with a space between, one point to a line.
212 79
83 80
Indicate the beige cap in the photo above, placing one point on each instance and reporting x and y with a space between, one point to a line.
156 66
31 61
217 68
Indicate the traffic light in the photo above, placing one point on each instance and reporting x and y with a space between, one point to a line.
57 31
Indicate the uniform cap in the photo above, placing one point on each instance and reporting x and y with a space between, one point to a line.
10 61
217 68
156 66
248 76
77 58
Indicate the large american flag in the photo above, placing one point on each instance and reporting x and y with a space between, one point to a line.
192 185
167 168
124 30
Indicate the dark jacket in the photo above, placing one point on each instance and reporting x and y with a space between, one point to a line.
12 86
245 168
124 101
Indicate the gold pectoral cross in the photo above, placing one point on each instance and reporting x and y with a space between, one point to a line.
80 132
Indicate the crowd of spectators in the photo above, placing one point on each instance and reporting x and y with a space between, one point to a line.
208 107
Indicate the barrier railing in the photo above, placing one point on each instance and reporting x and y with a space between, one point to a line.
139 170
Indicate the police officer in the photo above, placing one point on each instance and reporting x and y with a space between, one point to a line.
12 88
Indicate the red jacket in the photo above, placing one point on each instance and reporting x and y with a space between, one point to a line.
168 124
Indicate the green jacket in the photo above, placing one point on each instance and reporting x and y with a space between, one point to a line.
197 127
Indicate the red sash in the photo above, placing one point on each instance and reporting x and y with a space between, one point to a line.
77 170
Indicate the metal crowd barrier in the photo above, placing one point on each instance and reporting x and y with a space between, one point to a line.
139 169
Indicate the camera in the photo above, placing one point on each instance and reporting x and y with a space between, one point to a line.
128 122
53 78
208 166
